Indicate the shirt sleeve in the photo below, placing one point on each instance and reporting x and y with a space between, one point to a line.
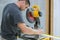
17 16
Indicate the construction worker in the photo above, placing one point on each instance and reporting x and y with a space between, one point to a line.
12 20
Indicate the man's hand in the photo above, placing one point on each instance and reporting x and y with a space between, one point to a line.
28 30
39 31
34 32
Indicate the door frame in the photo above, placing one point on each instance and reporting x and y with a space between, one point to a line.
49 17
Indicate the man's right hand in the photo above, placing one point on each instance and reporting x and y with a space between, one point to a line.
39 31
28 30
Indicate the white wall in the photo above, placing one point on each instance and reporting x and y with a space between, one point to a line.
56 27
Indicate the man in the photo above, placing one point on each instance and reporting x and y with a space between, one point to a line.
12 19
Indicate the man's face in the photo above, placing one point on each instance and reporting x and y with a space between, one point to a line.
24 6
